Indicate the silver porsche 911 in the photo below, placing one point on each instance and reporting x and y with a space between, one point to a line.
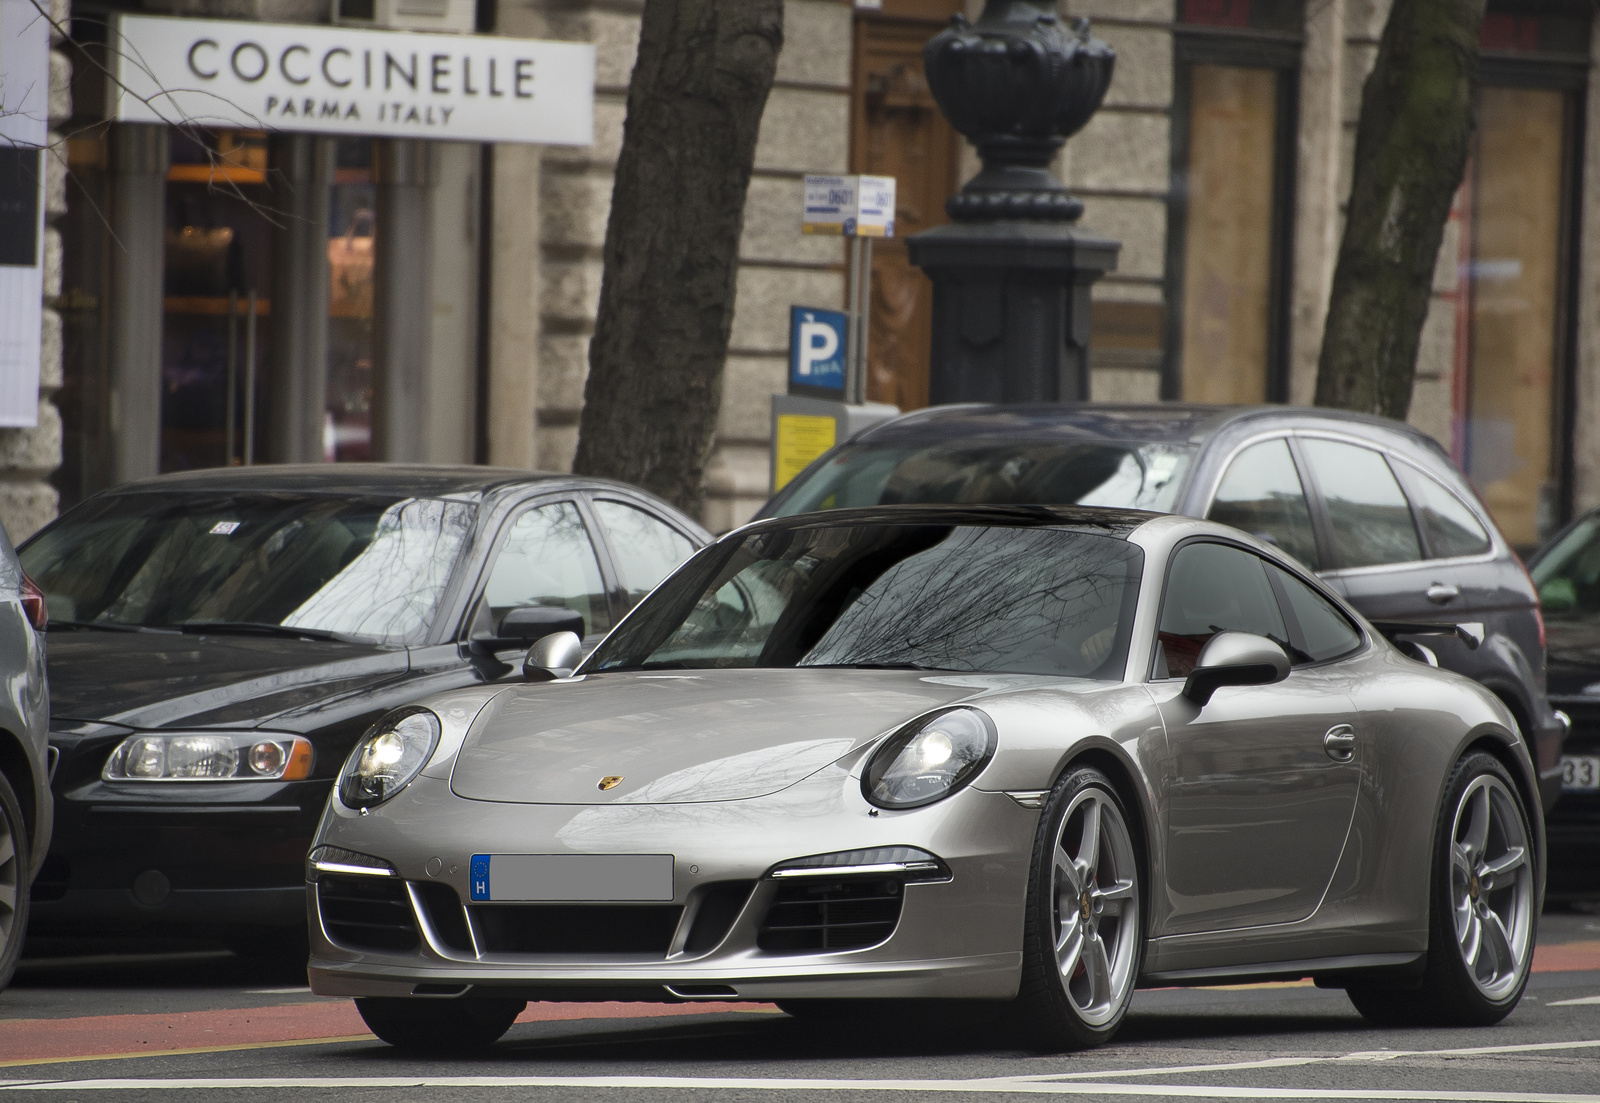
1034 756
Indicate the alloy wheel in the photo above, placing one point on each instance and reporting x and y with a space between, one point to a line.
1491 886
1095 894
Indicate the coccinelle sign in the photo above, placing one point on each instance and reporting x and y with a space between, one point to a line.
340 80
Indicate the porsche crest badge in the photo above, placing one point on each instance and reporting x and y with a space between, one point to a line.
610 782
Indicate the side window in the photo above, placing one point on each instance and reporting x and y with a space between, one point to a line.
1369 520
548 559
1451 528
1261 494
1324 632
647 549
1213 588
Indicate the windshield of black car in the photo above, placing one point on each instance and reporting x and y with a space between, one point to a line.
1568 574
1126 475
366 567
936 597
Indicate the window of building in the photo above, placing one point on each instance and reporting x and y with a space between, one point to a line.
218 254
1518 232
1228 231
352 231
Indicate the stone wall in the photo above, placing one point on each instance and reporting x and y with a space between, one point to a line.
28 456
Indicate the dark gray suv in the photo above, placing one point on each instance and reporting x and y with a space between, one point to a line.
1374 506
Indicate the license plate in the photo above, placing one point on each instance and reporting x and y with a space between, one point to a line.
1580 772
566 878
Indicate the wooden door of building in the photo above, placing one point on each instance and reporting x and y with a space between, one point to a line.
897 130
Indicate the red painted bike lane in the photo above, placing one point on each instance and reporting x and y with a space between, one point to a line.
29 1041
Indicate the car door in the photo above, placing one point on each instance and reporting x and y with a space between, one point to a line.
644 547
1376 557
1258 786
545 554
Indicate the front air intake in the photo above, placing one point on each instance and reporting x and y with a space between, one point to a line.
367 913
817 914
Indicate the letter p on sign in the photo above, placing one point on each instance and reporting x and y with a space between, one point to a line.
818 344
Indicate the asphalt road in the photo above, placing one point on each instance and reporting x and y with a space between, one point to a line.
119 1027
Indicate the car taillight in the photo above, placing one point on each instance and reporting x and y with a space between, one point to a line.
1538 606
33 604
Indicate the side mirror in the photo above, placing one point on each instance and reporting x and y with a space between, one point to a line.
555 656
522 625
1235 659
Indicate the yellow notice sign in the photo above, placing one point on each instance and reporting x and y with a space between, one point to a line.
801 439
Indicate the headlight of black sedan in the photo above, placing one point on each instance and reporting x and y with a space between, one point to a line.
929 759
388 757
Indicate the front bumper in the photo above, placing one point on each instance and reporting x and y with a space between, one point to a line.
1572 827
177 855
959 938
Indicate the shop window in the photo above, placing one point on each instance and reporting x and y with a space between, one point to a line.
1517 248
352 226
217 254
1228 227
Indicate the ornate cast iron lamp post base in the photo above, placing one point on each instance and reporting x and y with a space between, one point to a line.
1011 275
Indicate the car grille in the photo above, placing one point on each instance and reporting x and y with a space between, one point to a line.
835 913
367 913
575 928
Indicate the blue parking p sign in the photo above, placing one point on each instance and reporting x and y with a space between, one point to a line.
817 342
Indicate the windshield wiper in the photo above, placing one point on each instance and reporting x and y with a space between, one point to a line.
104 626
257 628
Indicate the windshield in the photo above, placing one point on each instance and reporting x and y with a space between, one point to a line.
364 567
935 597
1568 574
1125 475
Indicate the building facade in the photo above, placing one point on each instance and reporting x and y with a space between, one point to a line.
433 300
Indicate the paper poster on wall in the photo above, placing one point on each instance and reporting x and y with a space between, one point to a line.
24 128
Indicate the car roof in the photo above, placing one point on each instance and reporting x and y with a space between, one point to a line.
416 480
1167 422
1104 521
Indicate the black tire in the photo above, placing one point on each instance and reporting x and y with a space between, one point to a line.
14 881
441 1027
1058 1005
1502 907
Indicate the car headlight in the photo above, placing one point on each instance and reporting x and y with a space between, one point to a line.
210 756
929 759
388 757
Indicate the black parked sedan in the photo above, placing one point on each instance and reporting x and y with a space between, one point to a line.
1567 571
1373 506
220 639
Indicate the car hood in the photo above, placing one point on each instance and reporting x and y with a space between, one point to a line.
679 738
159 680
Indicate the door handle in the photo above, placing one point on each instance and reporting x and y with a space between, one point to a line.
1441 592
1340 743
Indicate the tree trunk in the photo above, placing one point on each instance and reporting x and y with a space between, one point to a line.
672 244
1417 114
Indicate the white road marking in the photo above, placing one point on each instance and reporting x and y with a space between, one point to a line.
1069 1083
1574 1003
998 1085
